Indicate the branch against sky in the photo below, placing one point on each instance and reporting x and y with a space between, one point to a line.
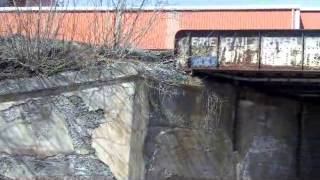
110 3
302 3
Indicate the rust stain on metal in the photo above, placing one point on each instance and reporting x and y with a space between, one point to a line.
204 46
312 52
252 50
183 51
281 52
240 52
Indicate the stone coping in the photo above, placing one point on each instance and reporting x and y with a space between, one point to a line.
70 78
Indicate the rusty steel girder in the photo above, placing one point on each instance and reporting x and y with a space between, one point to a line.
254 50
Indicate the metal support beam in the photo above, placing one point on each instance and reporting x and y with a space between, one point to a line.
259 54
303 47
218 52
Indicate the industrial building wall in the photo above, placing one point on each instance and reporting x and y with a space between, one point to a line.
161 35
225 20
310 19
156 30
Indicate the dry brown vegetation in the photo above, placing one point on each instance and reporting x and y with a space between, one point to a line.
33 43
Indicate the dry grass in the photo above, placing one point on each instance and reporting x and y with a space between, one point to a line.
58 56
31 46
16 62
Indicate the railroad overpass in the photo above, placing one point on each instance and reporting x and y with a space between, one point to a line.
284 60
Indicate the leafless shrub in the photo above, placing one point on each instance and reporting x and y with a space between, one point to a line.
36 42
125 23
32 42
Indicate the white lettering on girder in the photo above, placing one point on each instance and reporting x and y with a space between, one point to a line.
203 41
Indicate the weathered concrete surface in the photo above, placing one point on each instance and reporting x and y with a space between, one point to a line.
185 137
50 134
148 129
94 119
310 149
37 129
114 71
191 154
119 143
33 127
54 167
266 138
99 120
108 122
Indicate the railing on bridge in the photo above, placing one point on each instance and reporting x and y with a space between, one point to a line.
258 50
